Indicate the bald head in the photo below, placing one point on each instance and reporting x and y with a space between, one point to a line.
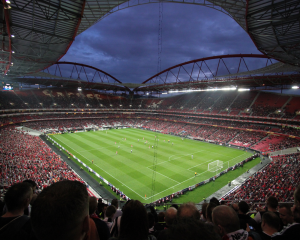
170 215
188 210
226 217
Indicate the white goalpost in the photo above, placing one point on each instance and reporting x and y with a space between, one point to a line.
216 165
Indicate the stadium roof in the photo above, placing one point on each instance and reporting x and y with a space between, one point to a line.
37 33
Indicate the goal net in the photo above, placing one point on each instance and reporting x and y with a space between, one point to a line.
215 166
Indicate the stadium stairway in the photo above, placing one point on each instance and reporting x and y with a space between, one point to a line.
237 182
30 131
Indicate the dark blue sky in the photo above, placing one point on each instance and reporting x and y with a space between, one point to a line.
125 44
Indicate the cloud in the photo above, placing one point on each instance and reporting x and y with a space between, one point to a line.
125 44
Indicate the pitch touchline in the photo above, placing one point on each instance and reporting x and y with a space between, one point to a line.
107 173
177 158
187 179
175 185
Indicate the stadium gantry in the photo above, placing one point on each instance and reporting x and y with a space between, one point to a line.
37 33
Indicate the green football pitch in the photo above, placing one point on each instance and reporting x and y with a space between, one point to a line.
176 160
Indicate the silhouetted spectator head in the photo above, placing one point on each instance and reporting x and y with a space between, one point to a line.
215 201
296 207
243 207
61 211
175 206
188 210
93 204
191 229
235 207
32 183
209 210
134 221
270 223
110 211
115 203
204 206
272 203
226 219
285 213
161 217
18 197
170 216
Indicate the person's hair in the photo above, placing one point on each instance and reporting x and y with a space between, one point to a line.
297 196
31 182
93 204
134 221
215 201
115 203
59 210
272 220
161 217
226 217
188 209
174 205
170 215
16 196
191 229
204 206
288 208
110 211
272 202
243 207
235 207
209 210
296 212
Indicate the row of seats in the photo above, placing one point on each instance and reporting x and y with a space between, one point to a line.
232 103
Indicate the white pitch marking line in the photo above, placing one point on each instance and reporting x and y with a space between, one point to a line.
108 173
163 175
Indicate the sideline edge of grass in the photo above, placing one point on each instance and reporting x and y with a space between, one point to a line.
198 193
85 169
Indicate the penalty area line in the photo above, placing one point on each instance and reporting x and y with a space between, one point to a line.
175 185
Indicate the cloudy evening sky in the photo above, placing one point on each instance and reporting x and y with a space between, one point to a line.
125 44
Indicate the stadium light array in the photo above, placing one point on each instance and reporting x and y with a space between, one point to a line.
204 90
243 89
295 87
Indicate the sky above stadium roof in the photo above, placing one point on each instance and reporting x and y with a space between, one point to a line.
125 44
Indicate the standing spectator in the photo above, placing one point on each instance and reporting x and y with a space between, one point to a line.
227 222
285 214
292 231
110 212
14 224
272 204
61 211
170 217
243 208
134 222
102 228
188 210
270 224
118 213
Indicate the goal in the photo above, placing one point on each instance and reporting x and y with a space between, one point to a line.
215 166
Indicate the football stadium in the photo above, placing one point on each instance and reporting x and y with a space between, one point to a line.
208 148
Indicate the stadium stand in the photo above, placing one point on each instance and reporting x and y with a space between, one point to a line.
64 110
280 179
